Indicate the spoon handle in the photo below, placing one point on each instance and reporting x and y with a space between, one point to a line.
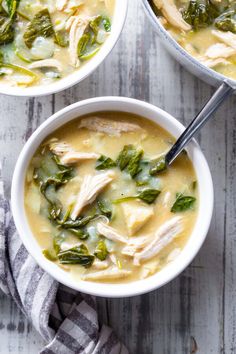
203 116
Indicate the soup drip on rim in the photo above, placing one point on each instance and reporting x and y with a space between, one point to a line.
204 28
101 202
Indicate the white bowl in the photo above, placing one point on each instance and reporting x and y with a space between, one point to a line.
79 74
173 127
181 55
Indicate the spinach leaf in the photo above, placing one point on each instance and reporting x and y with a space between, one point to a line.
6 27
104 209
50 255
158 166
104 163
95 25
194 185
83 43
54 209
61 38
7 31
12 7
51 175
101 251
81 234
78 223
106 24
130 158
76 255
125 156
199 14
41 25
57 241
148 196
183 203
227 21
51 171
134 163
140 183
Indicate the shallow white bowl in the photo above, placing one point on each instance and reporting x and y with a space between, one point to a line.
85 70
173 127
184 58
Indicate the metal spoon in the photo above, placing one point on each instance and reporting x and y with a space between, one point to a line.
224 91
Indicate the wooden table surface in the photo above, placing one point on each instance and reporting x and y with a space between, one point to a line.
201 303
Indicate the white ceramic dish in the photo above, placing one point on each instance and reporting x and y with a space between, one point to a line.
171 125
80 74
190 63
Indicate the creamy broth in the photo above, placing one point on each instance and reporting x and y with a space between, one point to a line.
50 39
159 209
209 37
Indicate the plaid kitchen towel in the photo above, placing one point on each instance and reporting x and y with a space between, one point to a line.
66 319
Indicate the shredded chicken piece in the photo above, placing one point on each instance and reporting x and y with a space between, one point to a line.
67 5
77 26
211 63
59 147
90 188
149 268
108 126
111 233
228 38
136 244
61 4
46 63
68 155
166 199
220 50
113 259
100 265
164 236
174 254
172 14
108 274
74 157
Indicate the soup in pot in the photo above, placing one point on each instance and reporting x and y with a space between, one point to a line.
204 28
101 202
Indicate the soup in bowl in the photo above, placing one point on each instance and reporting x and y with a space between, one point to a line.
200 34
46 45
99 206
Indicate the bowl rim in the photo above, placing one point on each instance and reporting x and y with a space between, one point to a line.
169 123
166 36
119 18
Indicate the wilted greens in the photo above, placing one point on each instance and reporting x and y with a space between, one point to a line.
41 25
183 203
200 14
226 21
104 163
101 251
129 159
148 196
76 255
